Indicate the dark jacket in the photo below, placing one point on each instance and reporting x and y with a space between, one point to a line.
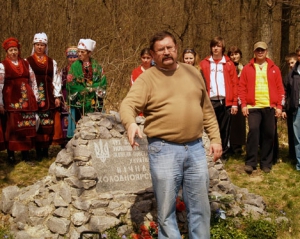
292 86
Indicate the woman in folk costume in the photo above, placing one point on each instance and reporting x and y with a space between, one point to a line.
49 89
72 56
86 84
18 101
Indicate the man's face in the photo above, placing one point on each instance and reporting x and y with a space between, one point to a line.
165 53
260 54
217 51
84 55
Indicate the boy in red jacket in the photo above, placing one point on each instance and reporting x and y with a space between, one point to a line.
262 95
221 84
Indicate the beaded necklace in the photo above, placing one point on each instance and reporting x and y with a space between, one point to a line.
41 61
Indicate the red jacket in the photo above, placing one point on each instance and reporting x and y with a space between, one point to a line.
135 74
230 77
246 89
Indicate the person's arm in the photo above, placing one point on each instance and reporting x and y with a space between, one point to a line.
242 92
234 87
56 84
131 105
74 85
211 126
280 92
33 84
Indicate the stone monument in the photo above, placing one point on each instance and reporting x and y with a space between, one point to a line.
98 182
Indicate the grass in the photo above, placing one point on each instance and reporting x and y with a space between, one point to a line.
22 175
280 188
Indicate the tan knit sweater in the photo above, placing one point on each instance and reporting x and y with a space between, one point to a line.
175 104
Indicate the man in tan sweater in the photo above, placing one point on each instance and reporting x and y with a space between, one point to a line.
173 98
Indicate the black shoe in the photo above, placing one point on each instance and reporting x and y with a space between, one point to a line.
39 154
45 153
266 170
25 155
248 169
11 160
11 157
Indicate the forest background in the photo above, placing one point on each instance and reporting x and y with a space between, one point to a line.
122 28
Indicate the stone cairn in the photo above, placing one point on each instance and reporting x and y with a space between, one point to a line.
67 201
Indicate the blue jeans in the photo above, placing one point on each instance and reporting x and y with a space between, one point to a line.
296 127
174 165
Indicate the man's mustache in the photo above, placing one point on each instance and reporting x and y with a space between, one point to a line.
167 57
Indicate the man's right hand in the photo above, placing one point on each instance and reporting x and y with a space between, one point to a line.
132 132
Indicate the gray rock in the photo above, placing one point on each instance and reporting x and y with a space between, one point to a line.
120 128
81 153
61 172
64 158
102 223
62 212
106 123
8 194
80 218
223 175
281 220
58 225
115 134
40 211
255 212
20 212
81 204
116 116
104 133
213 173
59 201
88 133
87 173
124 230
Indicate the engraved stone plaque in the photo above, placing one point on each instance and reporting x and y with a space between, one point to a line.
119 167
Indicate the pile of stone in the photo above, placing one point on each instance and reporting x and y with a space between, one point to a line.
98 182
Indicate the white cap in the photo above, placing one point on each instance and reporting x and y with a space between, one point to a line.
40 38
86 44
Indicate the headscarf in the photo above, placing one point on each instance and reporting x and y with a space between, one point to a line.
71 51
40 38
86 44
11 42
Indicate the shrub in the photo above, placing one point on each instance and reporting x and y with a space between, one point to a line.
260 229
